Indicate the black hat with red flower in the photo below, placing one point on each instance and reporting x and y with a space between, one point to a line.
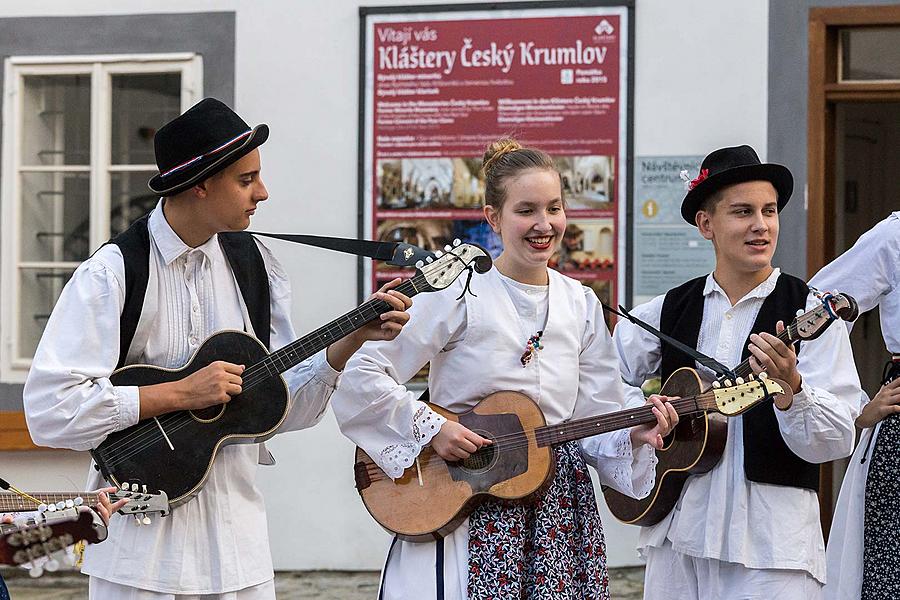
727 166
206 139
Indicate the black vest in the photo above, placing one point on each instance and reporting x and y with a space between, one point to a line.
767 459
243 256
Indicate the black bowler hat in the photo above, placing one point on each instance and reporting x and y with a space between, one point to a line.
727 166
192 147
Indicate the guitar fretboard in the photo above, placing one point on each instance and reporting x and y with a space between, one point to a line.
10 502
551 435
296 352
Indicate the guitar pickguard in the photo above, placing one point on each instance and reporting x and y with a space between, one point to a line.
492 464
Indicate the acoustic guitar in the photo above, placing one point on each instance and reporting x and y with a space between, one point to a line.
434 496
697 443
175 452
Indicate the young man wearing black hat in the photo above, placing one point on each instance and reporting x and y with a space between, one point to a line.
215 545
748 528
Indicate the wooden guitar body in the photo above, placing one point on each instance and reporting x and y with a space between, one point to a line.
142 453
433 497
693 448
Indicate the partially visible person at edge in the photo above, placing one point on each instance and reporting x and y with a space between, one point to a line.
748 528
216 544
532 330
864 542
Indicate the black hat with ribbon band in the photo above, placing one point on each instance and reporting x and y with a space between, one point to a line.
728 166
192 147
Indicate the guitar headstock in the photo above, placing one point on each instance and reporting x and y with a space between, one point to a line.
141 502
446 266
811 324
733 399
41 544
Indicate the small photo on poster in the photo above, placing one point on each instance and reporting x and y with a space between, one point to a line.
588 181
430 183
588 247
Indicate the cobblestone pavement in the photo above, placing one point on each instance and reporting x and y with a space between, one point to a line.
625 584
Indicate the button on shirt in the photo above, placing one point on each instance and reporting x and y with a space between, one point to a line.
216 542
721 514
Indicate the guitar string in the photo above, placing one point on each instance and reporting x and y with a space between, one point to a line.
589 427
300 344
149 435
409 287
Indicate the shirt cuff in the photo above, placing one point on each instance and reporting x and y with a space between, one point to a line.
128 401
323 371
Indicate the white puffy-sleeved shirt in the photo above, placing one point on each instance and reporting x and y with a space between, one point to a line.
870 272
721 514
216 542
474 347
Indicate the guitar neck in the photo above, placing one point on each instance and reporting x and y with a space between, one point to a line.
551 435
788 336
10 502
296 352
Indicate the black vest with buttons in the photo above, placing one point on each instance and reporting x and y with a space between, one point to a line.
767 459
243 256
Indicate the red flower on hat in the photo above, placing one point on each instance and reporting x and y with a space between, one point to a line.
700 179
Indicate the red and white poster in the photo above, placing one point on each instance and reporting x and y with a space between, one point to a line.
439 87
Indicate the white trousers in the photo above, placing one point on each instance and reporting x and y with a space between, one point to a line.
670 574
100 589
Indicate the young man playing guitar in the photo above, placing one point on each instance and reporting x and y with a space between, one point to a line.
748 528
215 545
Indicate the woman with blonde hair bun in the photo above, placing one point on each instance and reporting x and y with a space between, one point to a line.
530 330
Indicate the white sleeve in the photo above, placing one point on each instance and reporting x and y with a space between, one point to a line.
373 407
627 470
819 425
69 400
310 383
639 350
867 271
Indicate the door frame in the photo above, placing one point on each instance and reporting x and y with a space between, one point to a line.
825 92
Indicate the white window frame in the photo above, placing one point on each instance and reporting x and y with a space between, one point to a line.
14 368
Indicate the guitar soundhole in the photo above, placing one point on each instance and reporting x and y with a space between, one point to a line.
481 460
208 415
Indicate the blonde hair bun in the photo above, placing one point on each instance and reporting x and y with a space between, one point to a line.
496 150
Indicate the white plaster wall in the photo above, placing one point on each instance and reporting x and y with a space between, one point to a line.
700 84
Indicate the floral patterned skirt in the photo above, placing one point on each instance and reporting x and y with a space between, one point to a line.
881 532
549 548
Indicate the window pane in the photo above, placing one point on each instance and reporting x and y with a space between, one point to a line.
141 104
871 53
39 290
130 198
56 120
55 213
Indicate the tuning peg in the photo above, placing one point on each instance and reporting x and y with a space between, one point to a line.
763 375
35 571
144 488
438 254
420 264
146 520
78 501
125 487
51 565
51 508
429 260
137 521
70 503
61 505
447 248
727 383
456 242
42 508
716 384
739 380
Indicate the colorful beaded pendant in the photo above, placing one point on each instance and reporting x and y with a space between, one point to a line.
531 346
